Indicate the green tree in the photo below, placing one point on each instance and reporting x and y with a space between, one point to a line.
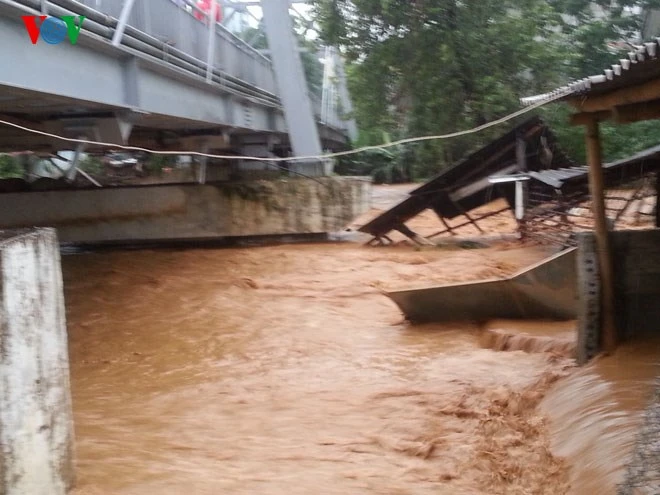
432 68
427 68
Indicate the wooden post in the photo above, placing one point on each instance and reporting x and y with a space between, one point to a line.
608 329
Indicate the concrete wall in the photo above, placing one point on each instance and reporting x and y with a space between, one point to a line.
637 271
636 255
191 211
545 290
36 430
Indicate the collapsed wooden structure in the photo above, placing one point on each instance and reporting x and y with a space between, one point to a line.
456 191
558 202
555 201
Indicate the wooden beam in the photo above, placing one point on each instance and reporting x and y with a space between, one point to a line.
621 114
639 93
413 236
486 215
584 118
609 337
627 114
444 222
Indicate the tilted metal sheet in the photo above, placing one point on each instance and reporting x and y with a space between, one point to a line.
545 290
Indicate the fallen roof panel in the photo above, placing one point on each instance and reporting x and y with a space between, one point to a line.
465 186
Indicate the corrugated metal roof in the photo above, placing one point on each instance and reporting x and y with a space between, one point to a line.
641 65
650 158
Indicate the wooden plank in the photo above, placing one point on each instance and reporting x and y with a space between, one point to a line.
479 185
583 118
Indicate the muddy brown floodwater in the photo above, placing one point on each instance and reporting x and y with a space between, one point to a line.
284 370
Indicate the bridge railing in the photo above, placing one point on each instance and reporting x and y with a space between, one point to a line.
163 30
172 34
179 28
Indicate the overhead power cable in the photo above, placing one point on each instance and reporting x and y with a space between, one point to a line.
274 160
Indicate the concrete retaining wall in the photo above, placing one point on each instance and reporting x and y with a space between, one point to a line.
191 211
36 429
636 255
637 271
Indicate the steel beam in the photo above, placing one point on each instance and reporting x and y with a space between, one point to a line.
123 20
290 77
345 98
213 11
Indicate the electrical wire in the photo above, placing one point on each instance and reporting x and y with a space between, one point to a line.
293 158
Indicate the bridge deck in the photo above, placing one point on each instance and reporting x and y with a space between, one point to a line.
156 78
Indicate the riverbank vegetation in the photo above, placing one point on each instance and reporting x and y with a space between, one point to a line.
429 68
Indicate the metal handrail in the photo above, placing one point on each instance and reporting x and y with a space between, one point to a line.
104 25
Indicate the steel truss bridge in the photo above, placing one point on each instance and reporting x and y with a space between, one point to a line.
158 74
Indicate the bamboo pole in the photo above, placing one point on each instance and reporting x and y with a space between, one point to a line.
596 188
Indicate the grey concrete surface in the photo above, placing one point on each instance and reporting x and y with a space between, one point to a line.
545 290
191 211
36 425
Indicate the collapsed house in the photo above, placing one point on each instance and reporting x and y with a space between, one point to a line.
547 192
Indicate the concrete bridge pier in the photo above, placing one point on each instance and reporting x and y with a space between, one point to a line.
36 425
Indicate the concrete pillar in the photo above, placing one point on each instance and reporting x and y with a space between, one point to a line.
36 424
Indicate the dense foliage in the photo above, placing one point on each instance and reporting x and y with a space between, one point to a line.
428 67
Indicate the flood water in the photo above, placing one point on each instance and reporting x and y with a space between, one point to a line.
284 370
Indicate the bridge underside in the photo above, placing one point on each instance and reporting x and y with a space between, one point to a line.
75 118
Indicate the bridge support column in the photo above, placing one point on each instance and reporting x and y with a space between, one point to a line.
36 426
298 110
